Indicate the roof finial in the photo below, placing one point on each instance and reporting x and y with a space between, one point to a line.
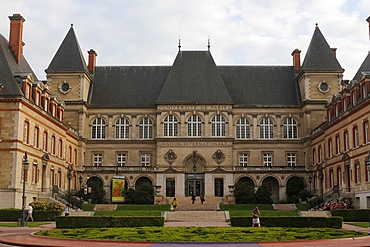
209 44
317 24
179 43
71 24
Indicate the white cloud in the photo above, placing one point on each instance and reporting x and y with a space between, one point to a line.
146 32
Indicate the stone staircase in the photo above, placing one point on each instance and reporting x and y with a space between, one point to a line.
197 213
319 213
105 207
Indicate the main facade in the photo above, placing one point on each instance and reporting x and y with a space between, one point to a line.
190 127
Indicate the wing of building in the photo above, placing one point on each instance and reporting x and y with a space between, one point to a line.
192 127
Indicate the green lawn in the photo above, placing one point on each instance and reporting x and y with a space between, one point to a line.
360 224
28 224
202 234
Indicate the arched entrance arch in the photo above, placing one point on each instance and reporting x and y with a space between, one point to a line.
194 176
246 180
273 185
142 180
95 190
294 185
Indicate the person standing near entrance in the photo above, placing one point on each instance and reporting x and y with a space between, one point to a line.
193 198
256 217
29 212
174 204
202 199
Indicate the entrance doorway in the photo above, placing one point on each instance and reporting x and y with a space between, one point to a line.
194 184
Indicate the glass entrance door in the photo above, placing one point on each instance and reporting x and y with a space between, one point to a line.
194 184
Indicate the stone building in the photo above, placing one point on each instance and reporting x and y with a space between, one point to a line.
190 127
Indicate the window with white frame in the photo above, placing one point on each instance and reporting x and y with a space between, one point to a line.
194 126
121 159
145 159
97 159
290 128
98 129
34 173
366 132
26 132
330 148
122 128
243 159
291 159
355 137
53 143
337 144
146 128
368 173
331 178
266 128
36 137
346 141
267 159
218 124
339 176
242 128
45 141
170 126
357 173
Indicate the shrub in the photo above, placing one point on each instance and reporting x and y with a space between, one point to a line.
263 195
244 193
336 205
38 205
55 206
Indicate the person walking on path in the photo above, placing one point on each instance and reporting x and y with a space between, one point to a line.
256 217
29 212
202 199
193 198
174 204
66 211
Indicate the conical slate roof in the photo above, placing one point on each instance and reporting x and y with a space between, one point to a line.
194 78
365 66
319 56
69 56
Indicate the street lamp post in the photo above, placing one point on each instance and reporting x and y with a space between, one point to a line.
80 180
69 176
25 168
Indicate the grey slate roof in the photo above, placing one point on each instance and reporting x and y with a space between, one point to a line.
194 78
10 68
261 85
69 56
129 86
319 56
365 67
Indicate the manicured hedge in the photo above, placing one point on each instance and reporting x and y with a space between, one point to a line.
38 215
107 221
322 222
356 215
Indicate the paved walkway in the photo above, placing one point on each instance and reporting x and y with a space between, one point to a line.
22 236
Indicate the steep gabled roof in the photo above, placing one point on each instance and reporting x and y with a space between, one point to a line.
129 86
194 78
261 85
319 56
9 68
365 66
69 56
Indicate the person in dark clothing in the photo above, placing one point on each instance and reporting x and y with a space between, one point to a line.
193 198
202 199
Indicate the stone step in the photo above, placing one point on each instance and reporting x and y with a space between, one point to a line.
196 216
198 207
284 206
105 207
315 213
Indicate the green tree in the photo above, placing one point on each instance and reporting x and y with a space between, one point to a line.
263 195
244 193
293 187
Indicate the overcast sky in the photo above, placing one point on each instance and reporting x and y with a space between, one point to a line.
146 32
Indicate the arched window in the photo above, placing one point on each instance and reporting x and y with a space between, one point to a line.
266 128
98 129
122 128
194 125
146 128
170 126
218 126
242 128
290 128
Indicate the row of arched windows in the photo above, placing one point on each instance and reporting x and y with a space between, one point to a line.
194 127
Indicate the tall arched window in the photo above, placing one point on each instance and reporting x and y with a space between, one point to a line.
266 128
290 128
122 128
194 125
146 128
98 129
170 126
218 126
242 128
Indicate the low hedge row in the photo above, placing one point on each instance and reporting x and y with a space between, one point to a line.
107 221
38 215
329 222
355 215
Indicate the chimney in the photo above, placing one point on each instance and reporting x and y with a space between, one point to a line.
92 60
334 50
15 36
296 59
368 20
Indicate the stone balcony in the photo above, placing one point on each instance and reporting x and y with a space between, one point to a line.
116 169
270 168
